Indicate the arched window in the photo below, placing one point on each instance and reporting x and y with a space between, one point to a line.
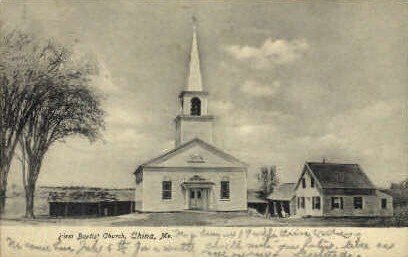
195 106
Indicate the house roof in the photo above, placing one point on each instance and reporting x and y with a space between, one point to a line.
385 194
88 194
253 196
283 192
385 191
339 175
162 159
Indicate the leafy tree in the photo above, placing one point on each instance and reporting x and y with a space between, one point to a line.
45 97
25 76
399 192
76 111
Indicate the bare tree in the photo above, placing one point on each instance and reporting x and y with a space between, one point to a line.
268 180
73 109
25 75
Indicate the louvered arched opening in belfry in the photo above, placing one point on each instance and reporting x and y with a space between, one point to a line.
195 106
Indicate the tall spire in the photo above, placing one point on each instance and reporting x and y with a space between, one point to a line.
193 120
194 73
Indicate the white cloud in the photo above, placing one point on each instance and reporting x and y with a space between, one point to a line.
258 130
222 105
254 88
368 118
104 79
271 52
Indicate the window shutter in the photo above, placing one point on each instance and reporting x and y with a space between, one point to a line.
341 202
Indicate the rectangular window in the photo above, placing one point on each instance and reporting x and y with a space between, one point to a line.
225 190
337 202
166 190
340 177
302 202
312 182
303 182
316 202
298 202
384 203
358 202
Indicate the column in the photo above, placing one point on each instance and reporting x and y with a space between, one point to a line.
115 208
186 192
275 211
66 209
99 209
131 206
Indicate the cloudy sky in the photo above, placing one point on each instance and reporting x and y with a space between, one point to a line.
288 82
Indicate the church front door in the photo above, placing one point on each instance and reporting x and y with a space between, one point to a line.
198 199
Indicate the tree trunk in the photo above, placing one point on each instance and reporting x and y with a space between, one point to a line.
2 201
34 166
29 194
4 169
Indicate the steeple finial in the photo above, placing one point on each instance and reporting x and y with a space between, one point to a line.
194 19
194 74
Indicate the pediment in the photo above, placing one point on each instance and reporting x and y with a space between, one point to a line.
195 153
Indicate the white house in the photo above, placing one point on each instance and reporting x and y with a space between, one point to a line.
339 190
195 174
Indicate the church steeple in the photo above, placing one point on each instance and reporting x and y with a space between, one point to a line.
194 121
194 82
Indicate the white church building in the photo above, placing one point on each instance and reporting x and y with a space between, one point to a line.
195 175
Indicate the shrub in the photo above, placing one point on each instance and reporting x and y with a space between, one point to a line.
400 218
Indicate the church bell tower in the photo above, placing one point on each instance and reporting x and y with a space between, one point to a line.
193 120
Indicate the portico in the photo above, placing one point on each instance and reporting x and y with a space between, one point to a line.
198 193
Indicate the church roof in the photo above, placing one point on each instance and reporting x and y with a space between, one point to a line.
194 72
190 157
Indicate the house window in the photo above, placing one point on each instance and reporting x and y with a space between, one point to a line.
337 202
358 202
312 182
340 177
383 203
302 202
195 106
225 190
166 190
303 182
316 202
